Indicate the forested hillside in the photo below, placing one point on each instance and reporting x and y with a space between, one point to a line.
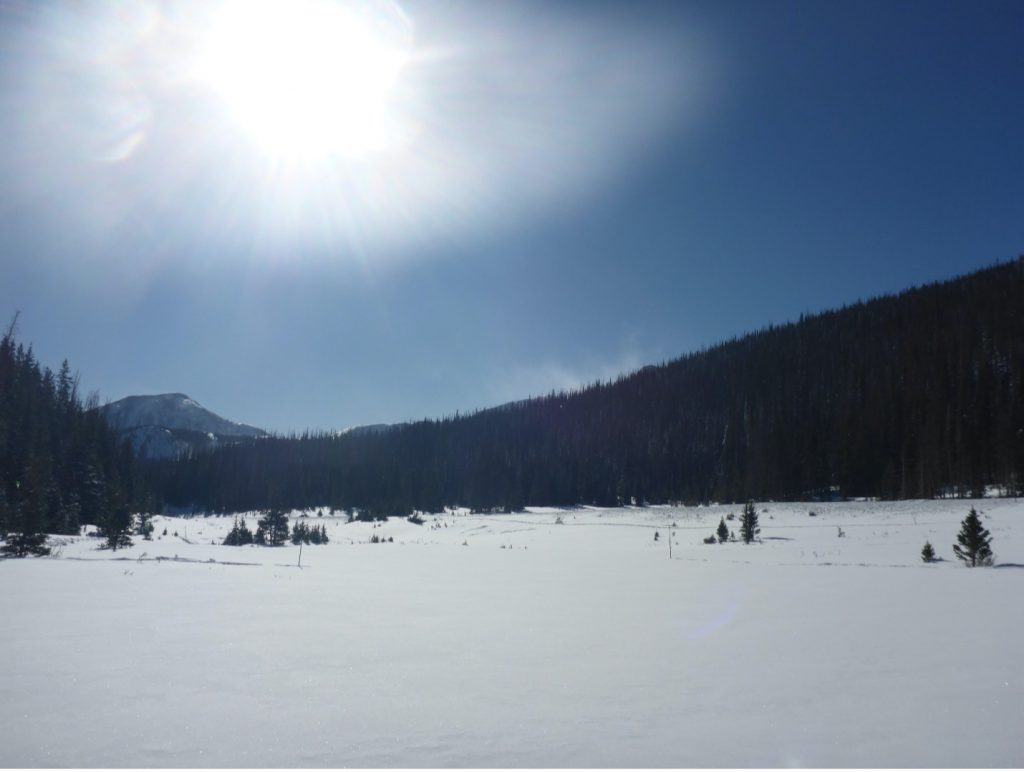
913 395
60 465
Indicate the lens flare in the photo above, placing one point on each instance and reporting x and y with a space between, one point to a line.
327 128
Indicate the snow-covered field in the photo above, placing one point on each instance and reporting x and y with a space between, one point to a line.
515 641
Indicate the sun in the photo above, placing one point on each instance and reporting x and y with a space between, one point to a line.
308 79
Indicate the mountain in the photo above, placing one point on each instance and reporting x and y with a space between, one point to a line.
166 425
913 395
356 431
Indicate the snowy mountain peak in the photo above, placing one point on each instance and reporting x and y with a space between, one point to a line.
163 425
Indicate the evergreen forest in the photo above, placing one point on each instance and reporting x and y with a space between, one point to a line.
914 395
60 465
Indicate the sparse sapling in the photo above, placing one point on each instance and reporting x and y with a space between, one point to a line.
749 528
928 553
973 542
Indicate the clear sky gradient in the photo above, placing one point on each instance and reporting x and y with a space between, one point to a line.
584 188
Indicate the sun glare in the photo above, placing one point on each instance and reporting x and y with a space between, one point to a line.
309 79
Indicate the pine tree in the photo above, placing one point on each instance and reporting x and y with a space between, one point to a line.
26 534
274 527
239 535
231 540
748 523
67 387
145 526
974 541
22 544
723 531
60 464
928 553
117 527
5 512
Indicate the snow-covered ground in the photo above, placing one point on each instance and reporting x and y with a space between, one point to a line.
511 640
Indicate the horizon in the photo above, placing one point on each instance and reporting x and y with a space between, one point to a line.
604 381
565 195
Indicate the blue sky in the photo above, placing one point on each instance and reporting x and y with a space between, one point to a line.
586 188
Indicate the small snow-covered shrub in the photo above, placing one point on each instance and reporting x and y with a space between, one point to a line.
21 544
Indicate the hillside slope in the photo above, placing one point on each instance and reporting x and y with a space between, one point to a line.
166 425
913 395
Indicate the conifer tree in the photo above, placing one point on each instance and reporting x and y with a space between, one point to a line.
26 534
145 526
274 526
22 544
974 541
749 528
928 553
723 531
60 464
117 527
239 535
231 540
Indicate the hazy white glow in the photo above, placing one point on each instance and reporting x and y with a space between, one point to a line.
307 78
294 128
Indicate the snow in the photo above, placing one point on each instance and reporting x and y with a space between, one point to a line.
172 411
578 644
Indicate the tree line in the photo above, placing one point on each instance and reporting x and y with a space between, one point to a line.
60 465
913 395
